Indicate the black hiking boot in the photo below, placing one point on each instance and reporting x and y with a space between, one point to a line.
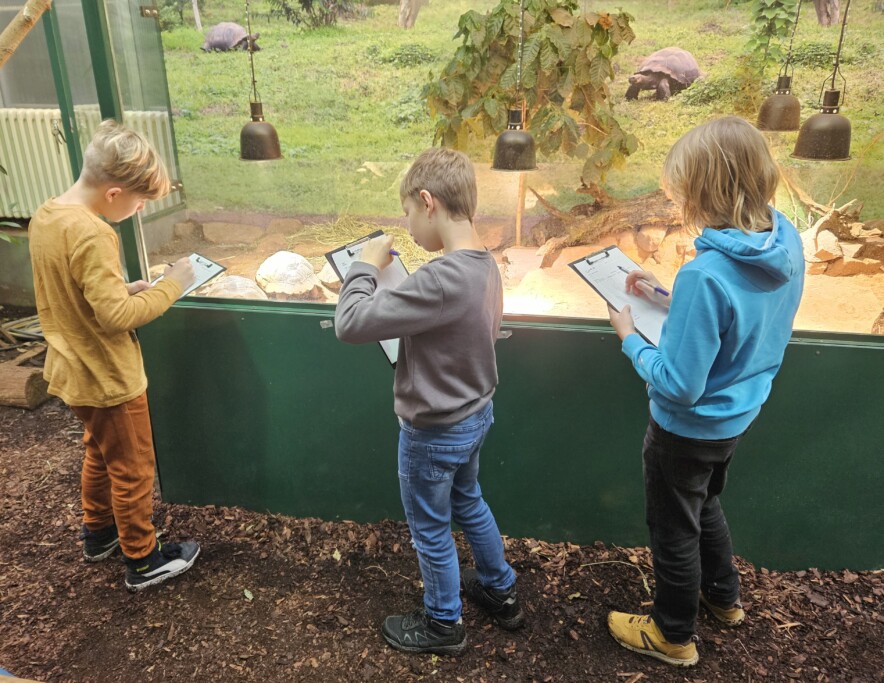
164 561
502 606
421 634
97 545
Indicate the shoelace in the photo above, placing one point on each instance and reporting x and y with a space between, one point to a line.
416 618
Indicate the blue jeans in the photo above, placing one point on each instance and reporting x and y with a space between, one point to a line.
690 539
438 480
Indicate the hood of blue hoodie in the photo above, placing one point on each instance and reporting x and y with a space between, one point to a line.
765 250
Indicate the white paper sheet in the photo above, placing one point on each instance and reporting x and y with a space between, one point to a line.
390 278
605 271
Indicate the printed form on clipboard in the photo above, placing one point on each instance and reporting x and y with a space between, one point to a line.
605 271
204 269
391 277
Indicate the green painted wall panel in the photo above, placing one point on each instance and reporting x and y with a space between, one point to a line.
258 405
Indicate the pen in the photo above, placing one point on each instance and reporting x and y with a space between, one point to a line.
659 290
393 252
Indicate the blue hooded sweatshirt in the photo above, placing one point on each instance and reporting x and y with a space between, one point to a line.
727 329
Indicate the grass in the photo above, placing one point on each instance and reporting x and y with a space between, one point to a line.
343 96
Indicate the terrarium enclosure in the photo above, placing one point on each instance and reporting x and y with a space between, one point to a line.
349 102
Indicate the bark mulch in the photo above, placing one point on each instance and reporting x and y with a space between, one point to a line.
274 598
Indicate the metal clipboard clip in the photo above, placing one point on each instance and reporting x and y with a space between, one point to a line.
350 247
595 258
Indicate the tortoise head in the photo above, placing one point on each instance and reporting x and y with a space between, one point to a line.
253 46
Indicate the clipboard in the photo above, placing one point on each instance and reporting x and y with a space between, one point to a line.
390 277
204 269
605 271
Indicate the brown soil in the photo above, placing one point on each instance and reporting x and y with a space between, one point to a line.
320 590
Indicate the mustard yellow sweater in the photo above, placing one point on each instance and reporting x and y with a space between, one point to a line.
86 312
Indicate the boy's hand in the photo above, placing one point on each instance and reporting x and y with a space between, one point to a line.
643 283
377 252
622 321
181 271
137 286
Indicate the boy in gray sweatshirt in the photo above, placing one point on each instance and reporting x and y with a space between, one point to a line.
447 315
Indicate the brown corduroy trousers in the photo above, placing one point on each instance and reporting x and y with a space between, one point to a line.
118 473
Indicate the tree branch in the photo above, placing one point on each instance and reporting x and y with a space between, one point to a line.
19 27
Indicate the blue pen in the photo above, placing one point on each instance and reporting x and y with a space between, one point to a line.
659 290
393 252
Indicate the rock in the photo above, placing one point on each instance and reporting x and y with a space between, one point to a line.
827 247
626 241
860 230
878 325
850 249
873 247
517 262
854 266
232 287
232 233
329 278
187 229
649 238
496 234
817 267
287 275
285 226
272 243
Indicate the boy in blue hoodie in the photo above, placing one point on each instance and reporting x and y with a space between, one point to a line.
729 321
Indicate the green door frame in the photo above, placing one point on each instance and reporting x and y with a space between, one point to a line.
63 89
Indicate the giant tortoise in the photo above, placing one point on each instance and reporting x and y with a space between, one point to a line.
666 72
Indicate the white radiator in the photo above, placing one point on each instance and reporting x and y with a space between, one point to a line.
37 161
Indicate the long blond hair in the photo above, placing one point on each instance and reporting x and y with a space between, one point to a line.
722 175
120 155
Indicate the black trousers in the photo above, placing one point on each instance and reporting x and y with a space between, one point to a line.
690 540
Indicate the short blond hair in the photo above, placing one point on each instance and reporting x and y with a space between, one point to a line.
723 176
446 174
120 155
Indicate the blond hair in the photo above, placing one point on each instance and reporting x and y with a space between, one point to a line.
120 155
448 176
723 176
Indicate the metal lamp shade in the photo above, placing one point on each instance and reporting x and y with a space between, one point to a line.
514 149
258 140
782 110
825 136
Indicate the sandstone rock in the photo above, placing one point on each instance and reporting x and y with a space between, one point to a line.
854 266
287 275
650 237
329 278
232 233
232 287
187 229
873 247
272 243
517 262
878 325
817 268
497 234
626 240
285 226
850 249
827 247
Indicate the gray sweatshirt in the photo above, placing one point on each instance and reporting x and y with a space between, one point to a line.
447 315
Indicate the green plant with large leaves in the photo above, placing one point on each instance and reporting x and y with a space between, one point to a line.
772 22
565 74
7 224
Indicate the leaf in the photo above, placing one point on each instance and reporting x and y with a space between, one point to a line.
562 17
248 594
548 57
492 107
337 555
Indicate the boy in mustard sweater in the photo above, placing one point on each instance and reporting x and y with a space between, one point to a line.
88 313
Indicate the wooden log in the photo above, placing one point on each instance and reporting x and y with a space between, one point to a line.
23 386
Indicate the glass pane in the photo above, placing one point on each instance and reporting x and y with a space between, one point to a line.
141 78
347 104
